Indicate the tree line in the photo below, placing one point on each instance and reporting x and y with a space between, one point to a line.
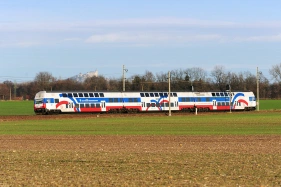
190 79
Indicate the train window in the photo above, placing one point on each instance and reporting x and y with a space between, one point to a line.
69 95
135 100
223 103
161 94
172 104
96 94
208 99
64 95
227 104
115 100
76 105
217 94
75 95
152 104
91 95
157 104
87 105
56 100
221 94
92 105
98 105
156 94
130 100
165 94
147 104
151 94
101 95
198 99
213 94
111 100
80 94
162 104
175 94
86 95
146 95
219 103
81 105
225 94
166 104
142 94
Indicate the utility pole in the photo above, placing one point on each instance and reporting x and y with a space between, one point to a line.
169 80
228 88
258 89
124 70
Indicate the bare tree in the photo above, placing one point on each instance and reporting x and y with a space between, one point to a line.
68 85
149 81
137 83
196 74
44 80
264 86
219 77
275 72
162 81
250 81
178 80
4 91
96 83
114 84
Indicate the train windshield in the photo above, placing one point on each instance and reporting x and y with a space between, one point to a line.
38 101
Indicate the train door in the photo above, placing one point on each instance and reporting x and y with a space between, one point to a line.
143 107
214 105
103 107
69 107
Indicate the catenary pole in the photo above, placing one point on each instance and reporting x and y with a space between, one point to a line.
258 89
169 80
123 77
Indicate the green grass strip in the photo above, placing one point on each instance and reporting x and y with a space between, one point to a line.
203 124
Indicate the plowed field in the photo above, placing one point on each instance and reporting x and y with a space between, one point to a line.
138 160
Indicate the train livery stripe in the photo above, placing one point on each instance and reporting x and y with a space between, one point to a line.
66 102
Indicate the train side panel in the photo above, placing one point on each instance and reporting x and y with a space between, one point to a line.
97 102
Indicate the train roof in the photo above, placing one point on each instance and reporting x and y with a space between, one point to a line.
105 91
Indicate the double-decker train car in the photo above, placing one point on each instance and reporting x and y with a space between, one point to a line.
47 102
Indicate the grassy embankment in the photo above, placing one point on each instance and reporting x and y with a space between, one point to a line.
246 123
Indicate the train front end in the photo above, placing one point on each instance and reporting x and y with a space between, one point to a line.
39 103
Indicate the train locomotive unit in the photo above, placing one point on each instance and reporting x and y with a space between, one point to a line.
47 102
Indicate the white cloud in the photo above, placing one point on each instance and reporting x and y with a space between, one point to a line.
132 23
72 39
269 38
138 32
150 37
21 44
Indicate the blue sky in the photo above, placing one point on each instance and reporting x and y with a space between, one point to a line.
69 37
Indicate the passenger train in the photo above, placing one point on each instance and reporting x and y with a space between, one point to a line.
50 102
